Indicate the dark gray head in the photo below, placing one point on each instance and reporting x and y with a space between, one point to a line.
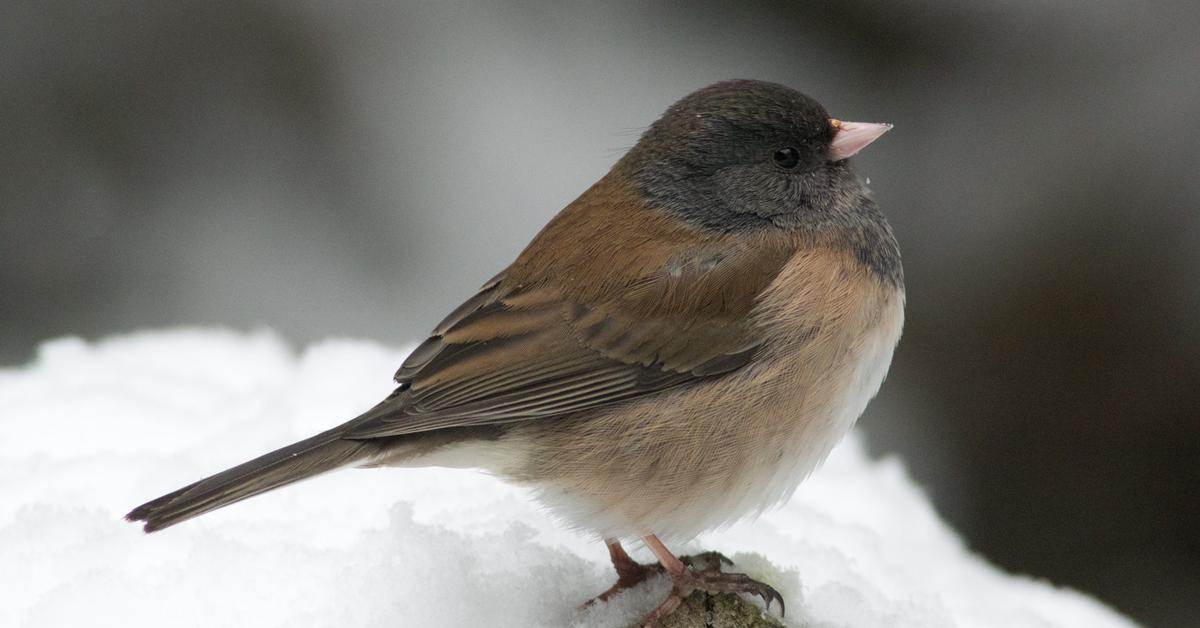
745 154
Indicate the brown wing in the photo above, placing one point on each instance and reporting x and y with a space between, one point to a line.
568 329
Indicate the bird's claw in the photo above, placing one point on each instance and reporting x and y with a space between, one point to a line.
712 582
632 574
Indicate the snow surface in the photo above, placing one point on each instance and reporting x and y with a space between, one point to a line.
87 431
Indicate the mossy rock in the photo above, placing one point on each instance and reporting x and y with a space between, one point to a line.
719 610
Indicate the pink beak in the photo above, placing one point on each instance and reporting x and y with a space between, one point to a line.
851 137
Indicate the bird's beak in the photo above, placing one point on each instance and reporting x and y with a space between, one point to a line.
851 137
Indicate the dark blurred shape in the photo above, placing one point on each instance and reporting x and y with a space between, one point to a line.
357 169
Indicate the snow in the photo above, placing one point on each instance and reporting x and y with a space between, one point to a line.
87 431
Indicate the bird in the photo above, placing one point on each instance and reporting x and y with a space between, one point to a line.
676 350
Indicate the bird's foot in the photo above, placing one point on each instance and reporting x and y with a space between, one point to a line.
627 578
712 582
631 573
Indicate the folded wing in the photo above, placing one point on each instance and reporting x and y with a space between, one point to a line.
526 347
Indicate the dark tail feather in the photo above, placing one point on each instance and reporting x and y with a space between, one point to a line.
298 461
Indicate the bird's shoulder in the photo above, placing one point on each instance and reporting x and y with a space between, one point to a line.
609 302
644 287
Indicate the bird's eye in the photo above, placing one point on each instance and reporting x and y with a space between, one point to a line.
787 157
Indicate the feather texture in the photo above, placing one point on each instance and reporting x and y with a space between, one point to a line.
562 333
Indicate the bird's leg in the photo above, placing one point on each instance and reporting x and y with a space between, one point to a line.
687 579
630 573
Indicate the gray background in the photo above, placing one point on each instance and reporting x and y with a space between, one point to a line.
356 169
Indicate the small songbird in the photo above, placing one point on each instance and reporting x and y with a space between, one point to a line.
678 348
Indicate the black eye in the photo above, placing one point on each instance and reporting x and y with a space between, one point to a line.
787 157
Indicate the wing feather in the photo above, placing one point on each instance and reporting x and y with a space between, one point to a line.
525 347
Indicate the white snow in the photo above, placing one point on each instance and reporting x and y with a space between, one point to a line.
87 431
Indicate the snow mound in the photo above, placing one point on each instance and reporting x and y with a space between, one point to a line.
91 430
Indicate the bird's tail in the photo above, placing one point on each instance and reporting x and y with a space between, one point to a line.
298 461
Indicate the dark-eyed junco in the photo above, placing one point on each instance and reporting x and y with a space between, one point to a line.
677 348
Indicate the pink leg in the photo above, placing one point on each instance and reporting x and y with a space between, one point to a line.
686 580
630 573
675 568
673 565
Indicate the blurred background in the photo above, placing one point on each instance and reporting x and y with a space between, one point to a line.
356 169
